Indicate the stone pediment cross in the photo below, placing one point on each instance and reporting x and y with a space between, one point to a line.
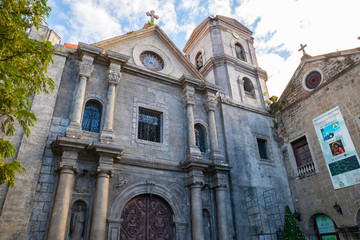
152 15
302 48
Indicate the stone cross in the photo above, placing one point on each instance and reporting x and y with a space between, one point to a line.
152 15
302 48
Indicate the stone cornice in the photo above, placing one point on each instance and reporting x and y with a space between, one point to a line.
86 49
116 57
250 109
105 149
145 162
62 144
188 80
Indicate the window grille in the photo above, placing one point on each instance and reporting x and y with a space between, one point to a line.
149 125
200 137
262 148
92 117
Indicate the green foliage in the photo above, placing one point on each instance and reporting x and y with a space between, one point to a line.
291 227
23 64
151 22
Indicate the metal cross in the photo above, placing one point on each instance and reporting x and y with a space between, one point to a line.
302 48
152 15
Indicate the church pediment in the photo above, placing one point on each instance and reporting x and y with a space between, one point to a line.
314 73
150 50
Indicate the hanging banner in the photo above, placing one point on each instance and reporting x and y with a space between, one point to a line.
338 149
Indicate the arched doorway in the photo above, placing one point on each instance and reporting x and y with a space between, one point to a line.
147 217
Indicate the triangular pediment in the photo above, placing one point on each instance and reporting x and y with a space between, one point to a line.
151 39
325 69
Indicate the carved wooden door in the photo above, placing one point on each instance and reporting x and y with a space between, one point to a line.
147 217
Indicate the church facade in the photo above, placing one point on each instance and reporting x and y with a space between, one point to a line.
319 127
139 141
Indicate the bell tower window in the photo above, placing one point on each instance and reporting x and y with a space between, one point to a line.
249 88
199 60
240 53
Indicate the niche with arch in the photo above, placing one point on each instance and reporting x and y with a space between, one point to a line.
200 137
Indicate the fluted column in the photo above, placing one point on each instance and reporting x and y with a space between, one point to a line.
113 77
105 169
85 70
189 101
60 211
196 182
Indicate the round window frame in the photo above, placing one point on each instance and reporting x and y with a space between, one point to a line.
139 49
155 56
307 74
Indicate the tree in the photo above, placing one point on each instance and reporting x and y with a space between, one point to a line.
291 227
23 64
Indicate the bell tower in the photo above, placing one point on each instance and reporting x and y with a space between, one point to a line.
222 49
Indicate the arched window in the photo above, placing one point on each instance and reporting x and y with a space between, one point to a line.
200 137
240 53
199 60
92 116
249 88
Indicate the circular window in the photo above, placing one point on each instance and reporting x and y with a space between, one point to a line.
313 80
152 61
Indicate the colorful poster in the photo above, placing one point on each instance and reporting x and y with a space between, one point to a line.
338 149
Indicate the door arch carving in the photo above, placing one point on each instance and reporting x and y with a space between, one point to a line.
147 217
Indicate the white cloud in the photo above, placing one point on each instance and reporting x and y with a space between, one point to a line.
324 25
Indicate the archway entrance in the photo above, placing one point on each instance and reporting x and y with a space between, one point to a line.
147 217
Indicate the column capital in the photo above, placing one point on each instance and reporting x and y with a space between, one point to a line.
113 77
189 95
85 69
210 101
189 99
211 104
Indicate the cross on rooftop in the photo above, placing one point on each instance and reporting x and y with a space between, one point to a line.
302 48
152 15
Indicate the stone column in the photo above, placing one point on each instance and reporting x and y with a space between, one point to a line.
189 101
60 211
222 220
98 223
114 75
85 70
196 182
211 107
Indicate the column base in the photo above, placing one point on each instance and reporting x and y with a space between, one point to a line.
73 130
107 136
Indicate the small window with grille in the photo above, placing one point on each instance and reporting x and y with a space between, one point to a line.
92 116
302 152
149 125
262 148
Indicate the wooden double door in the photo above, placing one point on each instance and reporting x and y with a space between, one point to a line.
147 217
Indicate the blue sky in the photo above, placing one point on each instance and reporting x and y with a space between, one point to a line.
279 26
